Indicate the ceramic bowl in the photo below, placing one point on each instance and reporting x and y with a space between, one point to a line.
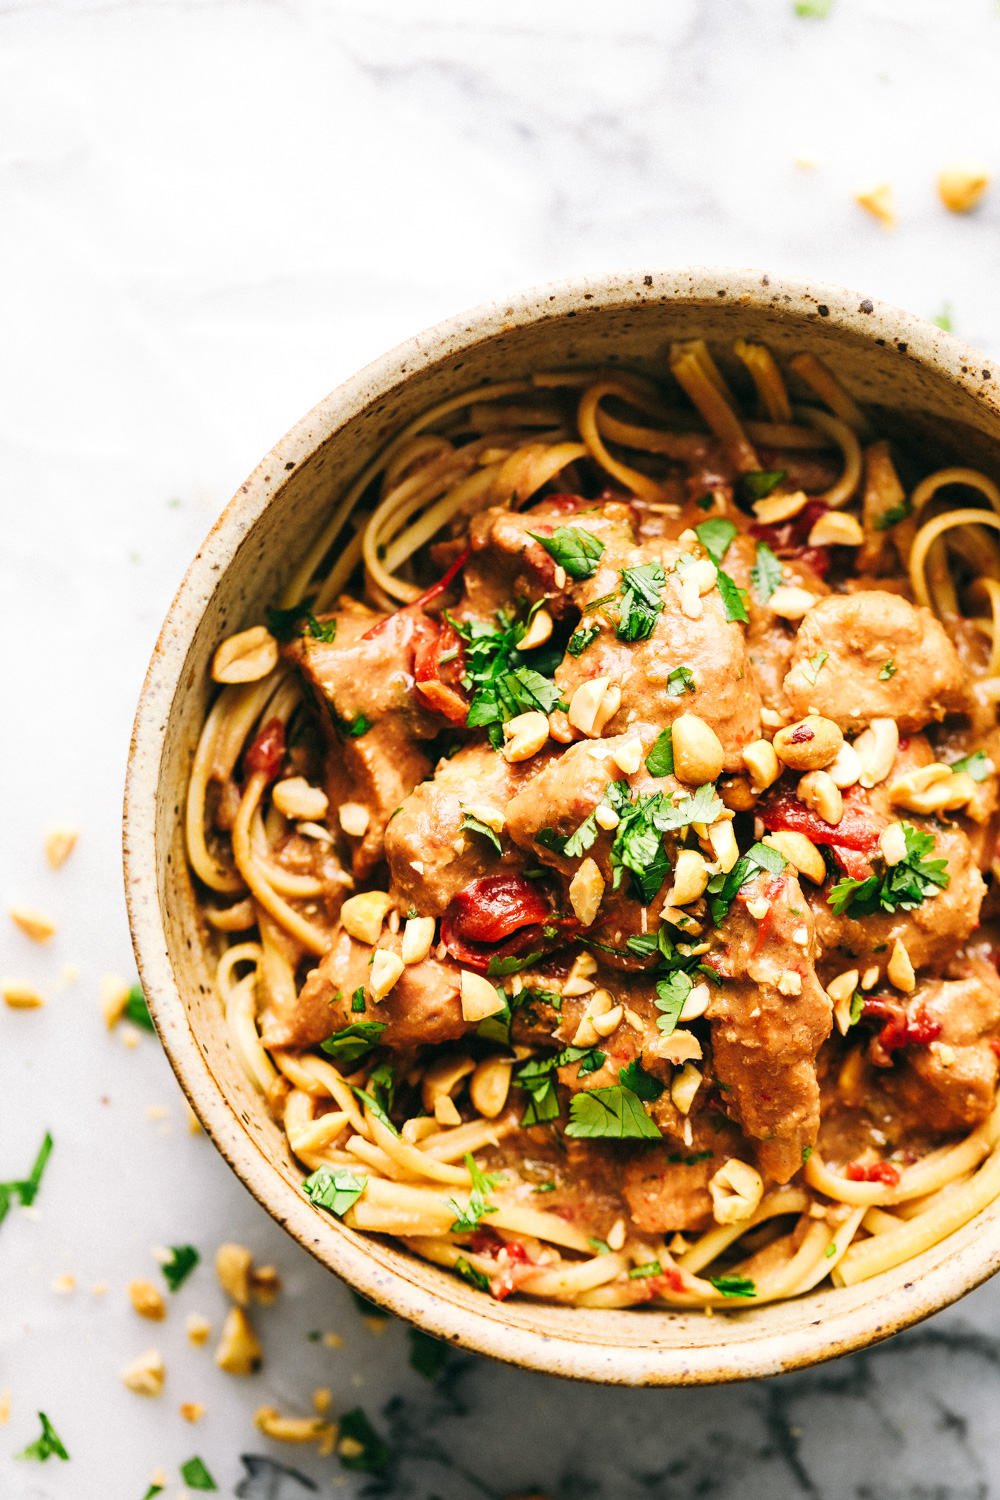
884 356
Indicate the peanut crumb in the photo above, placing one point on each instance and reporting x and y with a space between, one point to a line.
157 1112
4 1408
33 923
880 203
199 1329
20 995
322 1400
147 1300
130 1038
192 1411
68 974
376 1326
333 1341
60 841
99 1289
146 1374
113 991
64 1284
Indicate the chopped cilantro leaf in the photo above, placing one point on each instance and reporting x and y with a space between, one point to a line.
758 483
583 838
48 1445
375 1109
25 1189
642 601
582 638
815 10
680 681
358 1000
356 727
501 684
537 1078
648 1268
482 1184
767 573
153 1491
723 889
977 765
700 806
614 1113
815 666
716 536
197 1476
660 760
900 887
473 824
642 1084
497 968
599 1247
733 597
574 549
544 1187
282 623
857 1007
734 1286
893 515
830 1250
334 1188
671 994
471 1275
374 1457
178 1267
887 670
943 319
136 1009
706 502
354 1041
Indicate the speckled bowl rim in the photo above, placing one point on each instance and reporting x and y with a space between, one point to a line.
484 1330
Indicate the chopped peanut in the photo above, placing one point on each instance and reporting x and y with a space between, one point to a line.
736 1191
60 841
20 995
246 657
961 188
147 1300
480 998
362 916
586 892
33 923
146 1375
879 201
239 1352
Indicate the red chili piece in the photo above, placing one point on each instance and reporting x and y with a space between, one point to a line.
789 539
498 916
877 1171
266 753
902 1028
427 597
438 681
851 841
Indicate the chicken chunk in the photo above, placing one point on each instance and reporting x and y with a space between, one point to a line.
693 661
375 727
768 1021
430 857
873 655
950 1083
422 1008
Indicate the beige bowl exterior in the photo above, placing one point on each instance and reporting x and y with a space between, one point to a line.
883 356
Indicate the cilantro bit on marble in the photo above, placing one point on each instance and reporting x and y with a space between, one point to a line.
900 887
136 1010
428 1356
574 549
25 1189
614 1113
179 1265
195 1474
48 1445
334 1188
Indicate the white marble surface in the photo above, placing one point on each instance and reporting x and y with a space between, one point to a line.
209 213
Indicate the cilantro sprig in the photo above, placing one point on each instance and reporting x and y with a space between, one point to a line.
573 548
641 602
501 682
334 1188
179 1265
538 1079
48 1445
899 887
723 889
483 1184
353 1042
25 1189
734 1286
614 1113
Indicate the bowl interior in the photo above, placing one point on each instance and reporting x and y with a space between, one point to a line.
941 392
